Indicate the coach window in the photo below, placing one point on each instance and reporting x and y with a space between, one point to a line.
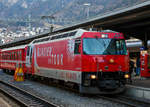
2 56
77 45
12 55
7 56
20 55
17 55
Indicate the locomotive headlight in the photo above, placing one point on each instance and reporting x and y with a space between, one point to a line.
142 62
111 60
104 36
93 76
142 69
126 76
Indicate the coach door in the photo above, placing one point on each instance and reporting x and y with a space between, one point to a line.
29 56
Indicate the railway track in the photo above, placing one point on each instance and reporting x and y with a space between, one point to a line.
132 102
25 98
22 97
129 101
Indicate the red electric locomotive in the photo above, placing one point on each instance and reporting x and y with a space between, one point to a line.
97 62
12 57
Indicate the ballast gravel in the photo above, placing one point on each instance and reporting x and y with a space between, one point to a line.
61 97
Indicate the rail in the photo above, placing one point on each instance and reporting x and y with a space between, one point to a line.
23 97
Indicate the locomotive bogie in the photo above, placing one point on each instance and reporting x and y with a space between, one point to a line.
105 82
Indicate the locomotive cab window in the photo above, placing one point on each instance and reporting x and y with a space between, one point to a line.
100 46
77 48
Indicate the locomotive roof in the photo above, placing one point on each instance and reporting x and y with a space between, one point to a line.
70 34
14 48
73 33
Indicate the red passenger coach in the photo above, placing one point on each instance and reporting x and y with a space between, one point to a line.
12 57
97 62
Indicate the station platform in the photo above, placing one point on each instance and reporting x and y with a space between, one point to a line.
139 88
141 82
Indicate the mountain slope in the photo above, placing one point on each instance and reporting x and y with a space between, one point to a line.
70 9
